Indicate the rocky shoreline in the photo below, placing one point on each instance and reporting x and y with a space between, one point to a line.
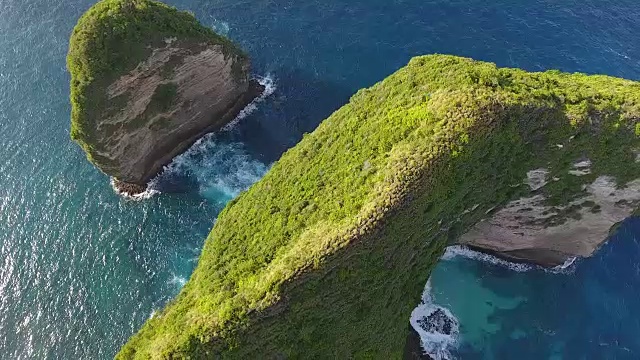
413 347
531 230
540 257
145 94
182 144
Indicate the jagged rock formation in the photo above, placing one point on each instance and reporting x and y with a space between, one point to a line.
146 82
327 255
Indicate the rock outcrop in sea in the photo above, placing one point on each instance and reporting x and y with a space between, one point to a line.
327 255
532 230
147 81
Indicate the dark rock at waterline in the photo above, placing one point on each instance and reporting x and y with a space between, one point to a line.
413 347
542 257
128 188
139 101
437 322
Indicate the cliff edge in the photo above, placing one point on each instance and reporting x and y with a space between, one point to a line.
328 254
147 81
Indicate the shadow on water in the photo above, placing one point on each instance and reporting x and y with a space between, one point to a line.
299 104
241 155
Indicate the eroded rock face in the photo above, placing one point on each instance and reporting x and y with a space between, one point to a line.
159 109
528 229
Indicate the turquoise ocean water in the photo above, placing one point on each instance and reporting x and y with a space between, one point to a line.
587 309
81 268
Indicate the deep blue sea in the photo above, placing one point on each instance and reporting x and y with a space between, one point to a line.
81 268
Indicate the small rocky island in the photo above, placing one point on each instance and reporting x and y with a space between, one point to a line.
327 255
147 81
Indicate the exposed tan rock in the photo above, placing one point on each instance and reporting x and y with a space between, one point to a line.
581 168
537 178
529 230
205 89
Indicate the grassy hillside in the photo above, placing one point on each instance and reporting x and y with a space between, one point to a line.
110 40
327 255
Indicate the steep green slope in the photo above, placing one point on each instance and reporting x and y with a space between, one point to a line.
109 41
327 255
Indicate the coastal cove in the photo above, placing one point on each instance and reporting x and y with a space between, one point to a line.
586 310
117 261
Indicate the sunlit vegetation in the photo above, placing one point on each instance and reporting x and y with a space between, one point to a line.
327 255
111 39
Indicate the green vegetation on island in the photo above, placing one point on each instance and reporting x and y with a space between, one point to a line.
109 41
327 255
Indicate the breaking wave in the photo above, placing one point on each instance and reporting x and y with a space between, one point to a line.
460 250
437 326
269 88
222 170
178 281
221 27
147 194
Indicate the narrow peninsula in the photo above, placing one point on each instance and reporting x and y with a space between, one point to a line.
328 254
147 81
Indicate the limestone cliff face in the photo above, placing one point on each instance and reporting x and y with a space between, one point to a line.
529 229
179 93
147 81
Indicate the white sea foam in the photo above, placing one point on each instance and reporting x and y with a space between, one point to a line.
177 280
566 268
437 344
221 27
463 251
149 192
459 250
206 157
269 88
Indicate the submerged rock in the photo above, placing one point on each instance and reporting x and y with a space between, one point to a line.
129 189
146 82
438 322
